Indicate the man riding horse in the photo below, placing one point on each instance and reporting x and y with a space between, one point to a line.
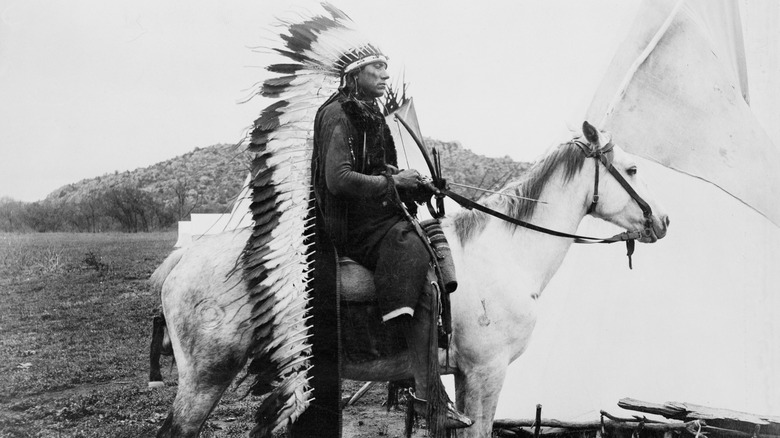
358 196
272 294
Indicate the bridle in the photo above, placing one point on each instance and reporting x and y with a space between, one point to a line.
602 155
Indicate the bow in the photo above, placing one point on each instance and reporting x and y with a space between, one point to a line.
434 166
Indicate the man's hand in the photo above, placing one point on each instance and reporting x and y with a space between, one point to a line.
414 187
407 180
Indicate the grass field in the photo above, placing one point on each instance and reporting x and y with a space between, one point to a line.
75 326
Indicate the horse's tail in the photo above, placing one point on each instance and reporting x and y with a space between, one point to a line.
161 273
157 348
161 343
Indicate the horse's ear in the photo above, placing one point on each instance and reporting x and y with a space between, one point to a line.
591 133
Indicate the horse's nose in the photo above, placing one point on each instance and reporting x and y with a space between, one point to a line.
660 227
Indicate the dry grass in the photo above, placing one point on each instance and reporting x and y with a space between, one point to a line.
75 323
75 326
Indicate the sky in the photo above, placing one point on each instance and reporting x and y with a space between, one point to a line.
89 87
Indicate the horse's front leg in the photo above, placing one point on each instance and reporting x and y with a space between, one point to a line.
476 395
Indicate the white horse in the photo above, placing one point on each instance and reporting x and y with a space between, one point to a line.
502 270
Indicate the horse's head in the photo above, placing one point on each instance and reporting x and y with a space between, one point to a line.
620 195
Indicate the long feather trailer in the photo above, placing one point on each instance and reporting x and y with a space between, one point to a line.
275 259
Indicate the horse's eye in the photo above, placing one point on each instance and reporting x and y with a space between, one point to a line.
631 170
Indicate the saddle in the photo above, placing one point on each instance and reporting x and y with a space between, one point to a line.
363 335
356 282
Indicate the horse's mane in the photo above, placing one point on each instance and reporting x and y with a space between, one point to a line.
469 223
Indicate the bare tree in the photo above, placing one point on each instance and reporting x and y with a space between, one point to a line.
181 190
134 209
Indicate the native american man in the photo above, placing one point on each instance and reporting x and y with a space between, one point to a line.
357 187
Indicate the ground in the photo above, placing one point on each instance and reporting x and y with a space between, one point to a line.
75 326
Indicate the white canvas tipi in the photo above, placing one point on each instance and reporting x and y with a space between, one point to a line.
694 89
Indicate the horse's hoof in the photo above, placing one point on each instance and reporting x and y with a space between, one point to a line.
455 419
157 384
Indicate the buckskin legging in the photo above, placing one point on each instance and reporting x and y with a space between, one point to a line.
400 264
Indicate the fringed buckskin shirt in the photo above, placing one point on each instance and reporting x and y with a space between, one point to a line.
355 194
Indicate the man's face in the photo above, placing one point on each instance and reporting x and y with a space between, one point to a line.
372 79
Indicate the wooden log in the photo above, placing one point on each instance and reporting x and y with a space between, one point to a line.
693 419
360 393
509 422
665 410
635 418
723 418
690 427
735 433
688 411
550 431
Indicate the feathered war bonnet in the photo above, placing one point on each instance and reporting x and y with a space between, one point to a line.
323 49
317 51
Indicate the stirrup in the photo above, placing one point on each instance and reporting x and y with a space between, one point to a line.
454 420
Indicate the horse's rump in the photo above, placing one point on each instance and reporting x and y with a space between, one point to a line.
161 273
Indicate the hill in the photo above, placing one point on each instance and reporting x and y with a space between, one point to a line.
211 177
205 180
464 167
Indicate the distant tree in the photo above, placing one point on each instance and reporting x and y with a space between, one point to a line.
43 216
134 209
89 212
183 200
12 215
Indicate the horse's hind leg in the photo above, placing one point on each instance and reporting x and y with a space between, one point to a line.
190 409
200 388
208 355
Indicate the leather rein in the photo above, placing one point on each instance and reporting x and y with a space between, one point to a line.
601 155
